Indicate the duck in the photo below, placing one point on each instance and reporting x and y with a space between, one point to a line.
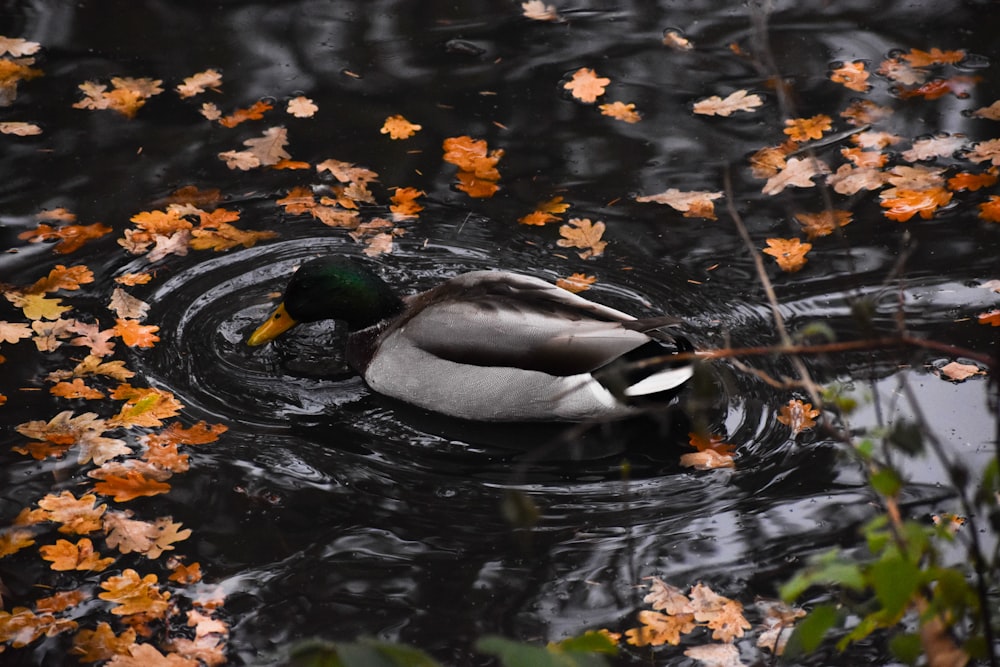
490 345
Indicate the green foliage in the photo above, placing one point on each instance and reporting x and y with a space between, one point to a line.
809 632
585 651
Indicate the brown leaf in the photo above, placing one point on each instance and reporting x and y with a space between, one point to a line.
798 416
586 86
789 253
102 643
64 555
582 233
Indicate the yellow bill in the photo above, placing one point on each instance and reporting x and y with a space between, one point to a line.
278 323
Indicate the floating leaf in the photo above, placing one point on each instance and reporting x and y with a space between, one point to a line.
586 86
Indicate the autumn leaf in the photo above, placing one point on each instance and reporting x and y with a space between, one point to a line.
126 96
959 372
582 233
64 555
852 75
71 237
150 539
242 160
658 629
823 223
740 100
11 332
668 599
992 112
943 145
63 429
985 151
224 236
198 434
586 86
36 306
778 618
96 447
546 212
798 172
959 86
935 56
18 46
708 459
134 334
60 601
185 574
537 10
269 148
134 595
397 127
972 182
20 129
404 203
94 365
198 83
715 655
903 204
472 155
621 111
789 253
133 279
145 406
769 160
77 515
798 416
21 626
254 112
133 485
102 643
676 41
989 210
578 282
126 306
301 107
849 180
873 139
803 129
13 540
723 616
696 203
865 159
347 172
991 317
75 389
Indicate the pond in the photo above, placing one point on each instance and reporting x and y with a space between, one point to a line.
319 509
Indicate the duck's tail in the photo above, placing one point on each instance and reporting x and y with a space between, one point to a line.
649 371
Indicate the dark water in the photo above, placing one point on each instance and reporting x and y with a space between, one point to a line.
328 511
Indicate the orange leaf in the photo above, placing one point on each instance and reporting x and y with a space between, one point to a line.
621 111
935 56
789 253
199 434
167 456
62 277
966 181
71 237
471 155
404 203
144 406
582 233
60 601
190 194
102 644
992 318
577 282
134 334
255 112
20 626
13 540
959 86
802 129
224 236
186 574
475 186
131 486
398 127
990 210
798 416
134 595
907 203
586 86
823 223
852 75
75 389
164 223
658 629
64 555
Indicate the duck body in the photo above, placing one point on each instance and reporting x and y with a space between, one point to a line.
489 345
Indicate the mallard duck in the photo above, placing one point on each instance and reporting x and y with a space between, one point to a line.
488 345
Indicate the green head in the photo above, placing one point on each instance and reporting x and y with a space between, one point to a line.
331 288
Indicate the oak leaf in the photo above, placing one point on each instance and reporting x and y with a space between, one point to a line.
11 332
716 655
166 456
696 203
769 160
20 626
472 155
708 459
798 416
586 86
150 539
198 434
59 214
64 555
36 306
991 317
865 112
849 180
254 112
676 41
789 253
778 617
127 306
943 145
959 372
75 389
184 574
64 428
852 75
301 107
803 129
77 515
723 616
198 83
133 279
798 172
740 100
144 406
134 334
658 629
582 233
902 72
992 112
20 129
865 159
404 203
242 160
621 111
18 46
96 447
397 127
62 277
903 204
223 236
873 139
60 601
71 237
823 223
346 172
269 148
578 282
134 594
133 485
668 599
986 151
959 86
972 182
126 96
537 10
989 210
13 540
935 56
475 186
93 365
102 643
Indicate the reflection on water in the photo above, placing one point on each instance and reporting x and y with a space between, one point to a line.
328 511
